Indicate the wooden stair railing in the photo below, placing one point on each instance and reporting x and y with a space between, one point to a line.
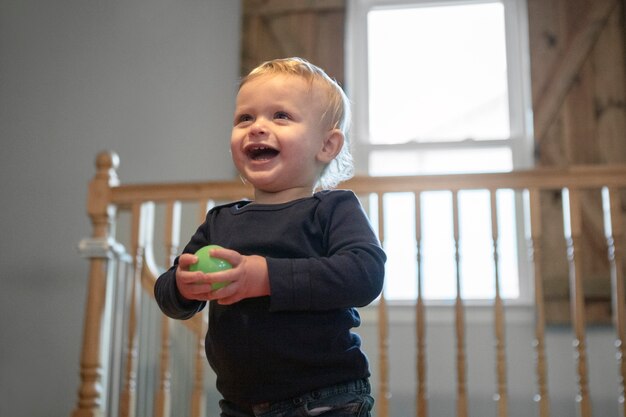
101 394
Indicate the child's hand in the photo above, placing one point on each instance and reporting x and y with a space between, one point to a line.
248 277
191 285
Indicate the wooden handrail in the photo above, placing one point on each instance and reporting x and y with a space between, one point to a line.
582 176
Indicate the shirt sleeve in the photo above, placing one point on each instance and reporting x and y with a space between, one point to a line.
352 273
166 293
169 299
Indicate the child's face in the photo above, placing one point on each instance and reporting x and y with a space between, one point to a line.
278 137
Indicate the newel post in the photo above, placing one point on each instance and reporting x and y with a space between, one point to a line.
99 249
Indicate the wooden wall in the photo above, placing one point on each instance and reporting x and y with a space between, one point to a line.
311 29
578 67
578 75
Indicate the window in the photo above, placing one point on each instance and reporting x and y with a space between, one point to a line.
442 86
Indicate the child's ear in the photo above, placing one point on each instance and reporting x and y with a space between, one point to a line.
333 142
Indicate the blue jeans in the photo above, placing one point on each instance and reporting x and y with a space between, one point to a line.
351 399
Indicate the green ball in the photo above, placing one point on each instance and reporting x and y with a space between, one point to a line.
206 263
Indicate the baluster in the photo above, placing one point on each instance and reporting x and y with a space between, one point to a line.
383 328
171 243
459 316
613 227
128 399
172 235
197 396
573 231
420 316
90 401
204 207
534 234
501 396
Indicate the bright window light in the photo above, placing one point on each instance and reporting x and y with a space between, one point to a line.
440 87
437 244
439 161
437 73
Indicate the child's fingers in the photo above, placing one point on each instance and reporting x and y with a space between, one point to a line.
229 255
193 285
185 260
226 295
201 282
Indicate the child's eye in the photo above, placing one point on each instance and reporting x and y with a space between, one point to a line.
281 115
244 118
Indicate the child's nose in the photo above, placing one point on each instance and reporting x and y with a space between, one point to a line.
258 128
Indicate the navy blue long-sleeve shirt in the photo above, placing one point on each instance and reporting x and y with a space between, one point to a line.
323 260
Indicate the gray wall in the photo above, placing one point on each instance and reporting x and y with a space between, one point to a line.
153 80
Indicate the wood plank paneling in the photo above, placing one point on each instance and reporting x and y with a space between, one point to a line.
578 83
313 30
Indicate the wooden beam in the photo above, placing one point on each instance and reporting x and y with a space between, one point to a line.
278 7
552 96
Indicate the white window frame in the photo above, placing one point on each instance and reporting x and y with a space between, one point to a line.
521 141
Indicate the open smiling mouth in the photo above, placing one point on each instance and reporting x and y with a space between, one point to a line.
261 153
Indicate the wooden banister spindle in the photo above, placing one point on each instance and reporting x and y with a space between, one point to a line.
128 399
613 228
461 366
172 228
501 396
163 397
383 328
101 214
534 234
420 317
198 398
171 243
204 207
573 233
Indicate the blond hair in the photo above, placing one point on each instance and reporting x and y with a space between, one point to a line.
338 112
